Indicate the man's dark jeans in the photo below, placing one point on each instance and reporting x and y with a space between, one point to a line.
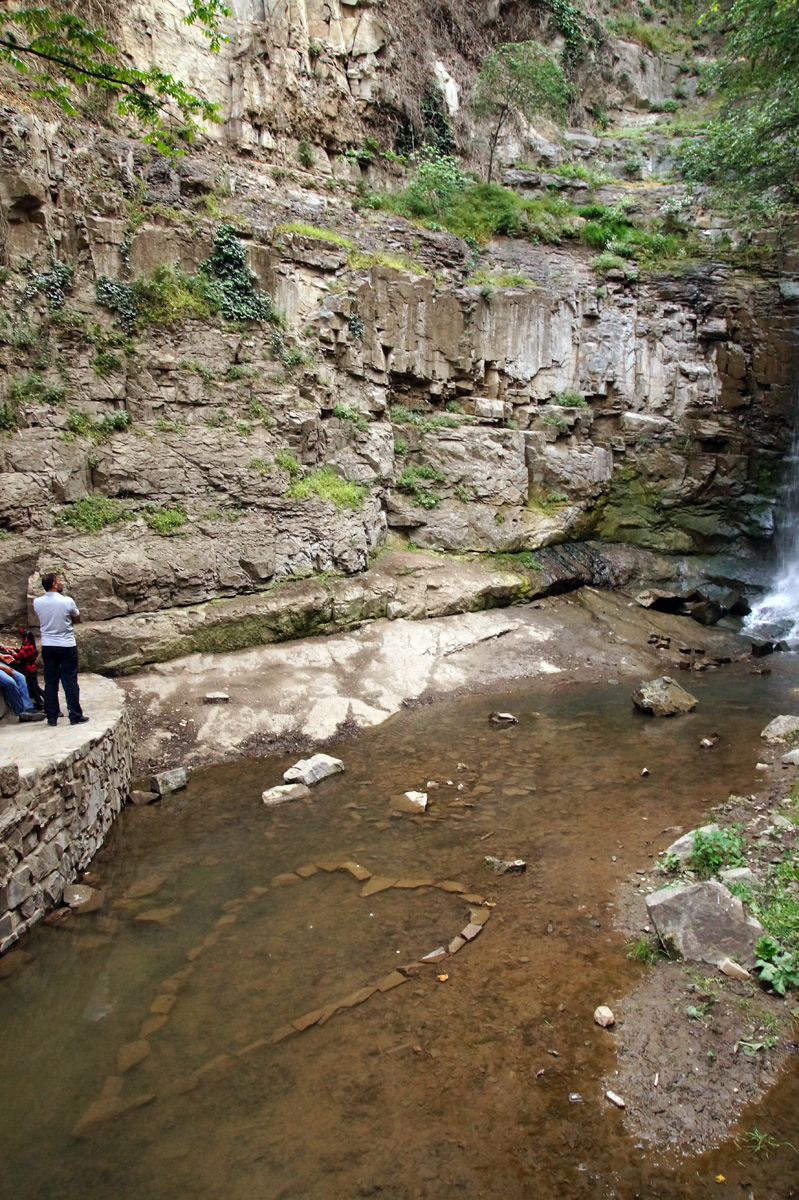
61 666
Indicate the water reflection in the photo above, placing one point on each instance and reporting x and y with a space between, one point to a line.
438 1088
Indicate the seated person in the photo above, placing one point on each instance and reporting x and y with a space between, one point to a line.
23 659
15 692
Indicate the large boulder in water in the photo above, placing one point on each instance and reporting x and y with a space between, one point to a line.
663 697
704 922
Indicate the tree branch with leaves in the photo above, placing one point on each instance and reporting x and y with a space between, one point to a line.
58 51
518 77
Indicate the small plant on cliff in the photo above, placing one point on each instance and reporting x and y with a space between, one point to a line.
414 481
93 513
569 400
356 326
230 281
287 462
305 154
357 419
165 521
327 484
314 231
54 284
105 362
83 425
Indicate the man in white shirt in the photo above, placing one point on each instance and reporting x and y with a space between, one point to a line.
57 614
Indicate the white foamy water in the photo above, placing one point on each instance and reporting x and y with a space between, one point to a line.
776 616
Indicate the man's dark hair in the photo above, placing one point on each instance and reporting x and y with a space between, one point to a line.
49 580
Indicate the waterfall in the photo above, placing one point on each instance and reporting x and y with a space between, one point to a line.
776 616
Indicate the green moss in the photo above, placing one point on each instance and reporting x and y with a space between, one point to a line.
325 483
314 231
360 260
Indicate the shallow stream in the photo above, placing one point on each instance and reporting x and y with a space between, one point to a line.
433 1089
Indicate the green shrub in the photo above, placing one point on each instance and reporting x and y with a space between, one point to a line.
32 389
106 363
93 513
83 425
400 446
261 465
352 415
326 483
8 417
54 284
229 281
165 521
356 327
778 967
569 400
414 480
400 415
305 154
714 849
643 951
359 260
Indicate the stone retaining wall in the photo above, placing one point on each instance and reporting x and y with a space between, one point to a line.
60 790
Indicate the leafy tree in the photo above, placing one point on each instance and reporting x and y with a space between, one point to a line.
59 50
754 140
518 77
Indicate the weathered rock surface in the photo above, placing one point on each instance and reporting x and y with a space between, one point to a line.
170 781
780 729
663 697
704 922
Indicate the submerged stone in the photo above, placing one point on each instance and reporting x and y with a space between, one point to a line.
284 792
312 770
378 883
169 781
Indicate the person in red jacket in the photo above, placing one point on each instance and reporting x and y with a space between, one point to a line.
23 658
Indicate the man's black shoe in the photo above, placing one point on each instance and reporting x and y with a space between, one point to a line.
78 720
31 715
53 723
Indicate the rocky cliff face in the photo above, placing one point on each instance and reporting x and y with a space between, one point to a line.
467 419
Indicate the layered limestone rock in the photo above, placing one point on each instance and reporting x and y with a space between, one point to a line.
472 419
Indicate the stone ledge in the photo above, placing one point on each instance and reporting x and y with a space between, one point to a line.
60 789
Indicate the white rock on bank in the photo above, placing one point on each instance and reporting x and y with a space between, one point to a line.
604 1016
311 770
216 698
284 792
780 728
